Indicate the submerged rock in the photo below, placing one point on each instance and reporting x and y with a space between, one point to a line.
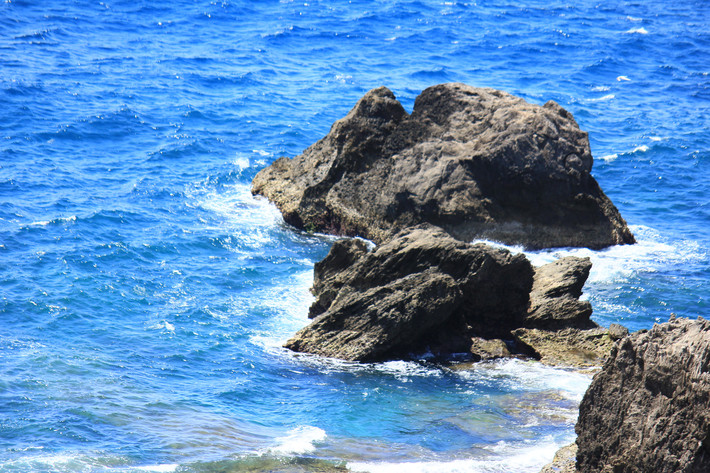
649 407
422 290
478 162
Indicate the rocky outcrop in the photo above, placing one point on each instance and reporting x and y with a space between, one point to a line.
571 347
557 328
649 407
477 162
422 290
426 291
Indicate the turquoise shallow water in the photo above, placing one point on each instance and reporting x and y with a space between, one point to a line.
144 294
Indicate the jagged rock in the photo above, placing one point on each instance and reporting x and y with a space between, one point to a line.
617 332
477 162
421 290
649 407
554 299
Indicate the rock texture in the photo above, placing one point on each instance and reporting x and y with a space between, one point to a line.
477 162
554 299
649 408
421 290
571 347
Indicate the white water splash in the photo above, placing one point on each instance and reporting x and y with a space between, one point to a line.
299 441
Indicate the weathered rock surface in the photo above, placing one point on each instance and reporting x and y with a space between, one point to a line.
421 290
649 407
477 162
554 299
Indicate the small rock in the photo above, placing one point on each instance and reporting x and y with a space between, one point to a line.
617 332
483 349
564 461
554 298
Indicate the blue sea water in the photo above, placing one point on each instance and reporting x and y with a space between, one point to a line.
145 294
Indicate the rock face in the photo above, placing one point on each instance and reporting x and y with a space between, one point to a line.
477 162
421 290
649 408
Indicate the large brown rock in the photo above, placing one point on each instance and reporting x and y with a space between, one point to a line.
477 162
648 410
421 290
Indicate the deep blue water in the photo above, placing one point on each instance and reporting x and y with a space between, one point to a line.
144 294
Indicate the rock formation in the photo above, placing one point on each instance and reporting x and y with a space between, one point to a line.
423 290
554 298
477 162
557 328
649 407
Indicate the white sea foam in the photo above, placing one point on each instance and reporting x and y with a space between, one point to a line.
609 157
166 468
531 376
601 88
298 441
603 99
641 149
617 263
44 223
241 162
651 253
623 79
520 458
249 219
640 30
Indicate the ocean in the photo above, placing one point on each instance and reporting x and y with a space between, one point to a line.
145 294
